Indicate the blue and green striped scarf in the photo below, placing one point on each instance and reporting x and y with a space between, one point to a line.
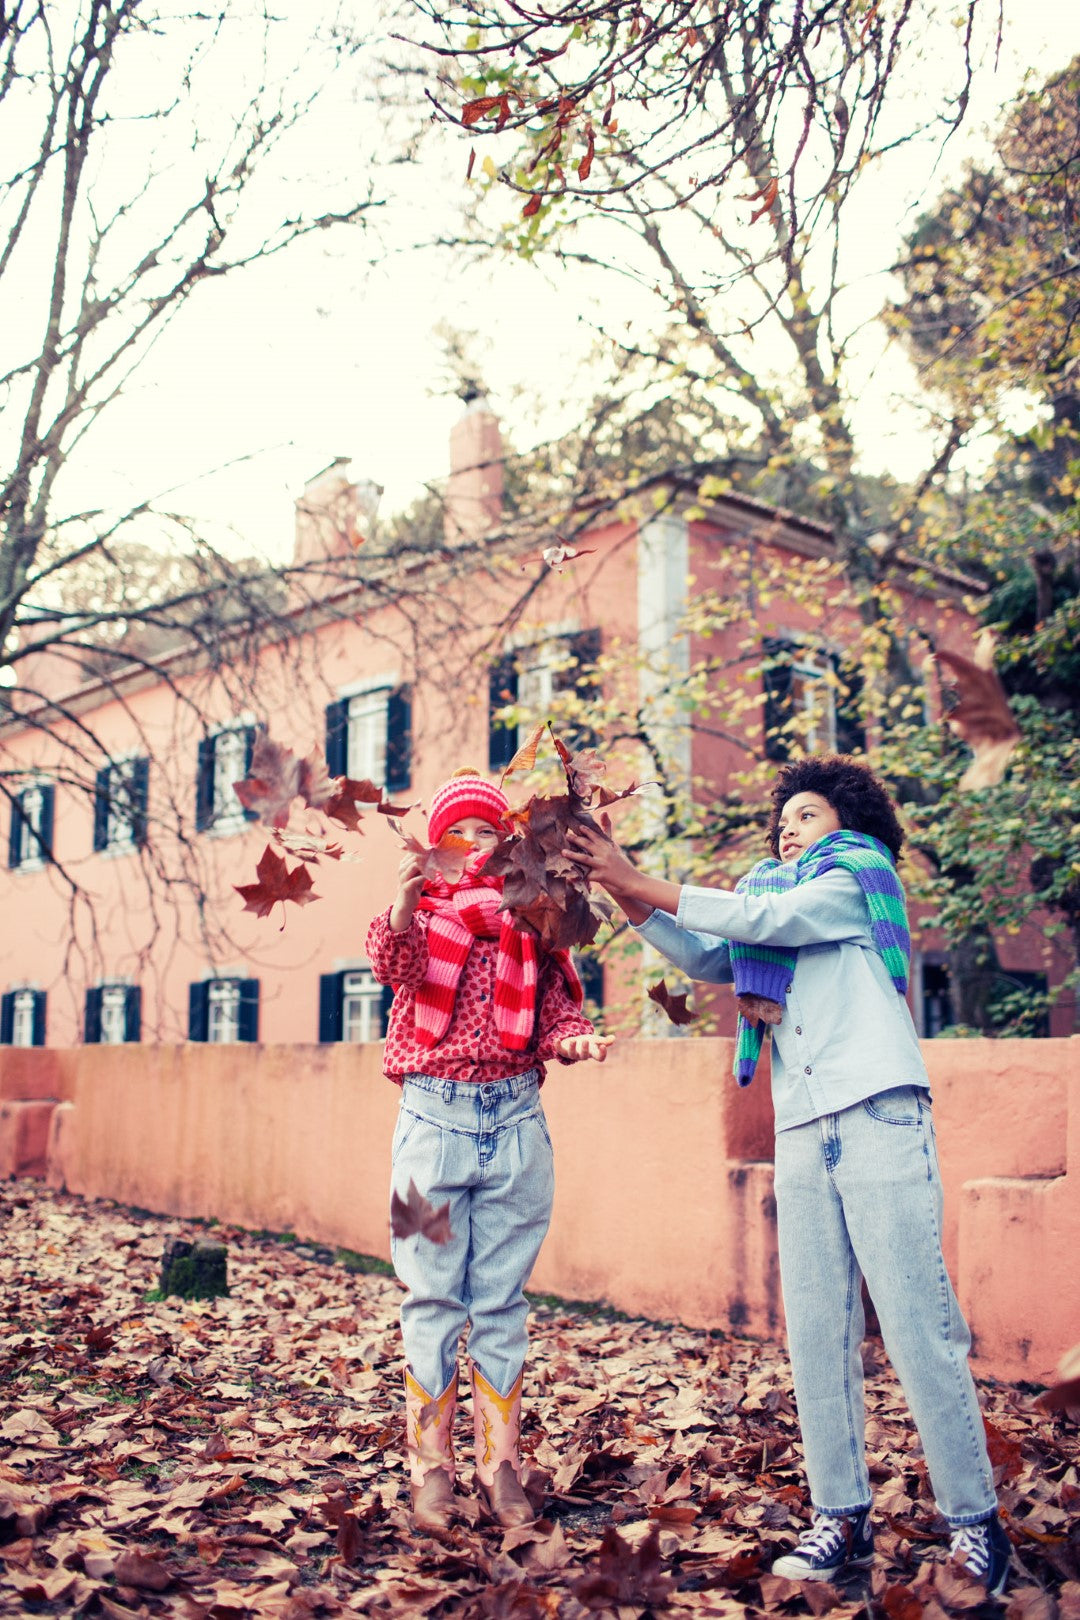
765 970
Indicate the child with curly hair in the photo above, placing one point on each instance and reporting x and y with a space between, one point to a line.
816 942
479 1007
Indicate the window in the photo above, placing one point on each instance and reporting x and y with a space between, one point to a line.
30 838
113 1014
937 1011
369 737
120 800
591 973
530 679
224 759
22 1018
353 1006
811 697
223 1010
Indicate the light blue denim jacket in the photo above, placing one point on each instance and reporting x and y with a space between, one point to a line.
846 1033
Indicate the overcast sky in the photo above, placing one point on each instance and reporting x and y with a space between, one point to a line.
275 373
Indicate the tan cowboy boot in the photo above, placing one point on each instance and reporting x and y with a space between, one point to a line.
429 1438
497 1428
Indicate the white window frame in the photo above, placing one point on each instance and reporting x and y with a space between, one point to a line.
366 728
22 1018
223 1012
30 856
813 695
361 1007
119 823
227 811
114 1002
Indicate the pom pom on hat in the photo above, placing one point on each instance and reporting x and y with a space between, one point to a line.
466 794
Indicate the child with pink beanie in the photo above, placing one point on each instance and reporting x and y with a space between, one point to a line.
479 1007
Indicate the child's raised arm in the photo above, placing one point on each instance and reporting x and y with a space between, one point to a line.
410 884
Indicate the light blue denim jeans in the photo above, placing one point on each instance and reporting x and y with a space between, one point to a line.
858 1194
486 1149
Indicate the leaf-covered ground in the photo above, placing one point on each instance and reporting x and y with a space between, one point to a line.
243 1456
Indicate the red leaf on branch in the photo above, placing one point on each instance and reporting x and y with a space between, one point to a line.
482 106
585 166
276 883
674 1005
472 160
980 714
765 198
533 205
414 1215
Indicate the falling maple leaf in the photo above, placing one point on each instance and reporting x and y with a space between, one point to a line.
555 556
276 882
342 806
674 1005
1065 1393
413 1215
625 1574
980 714
525 758
274 782
443 859
309 846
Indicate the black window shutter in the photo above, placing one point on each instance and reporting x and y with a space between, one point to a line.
850 732
777 677
45 837
591 973
330 990
140 799
133 1013
92 1018
101 810
204 794
198 1011
7 1017
384 1009
337 737
584 648
248 1019
398 740
15 833
39 1016
502 689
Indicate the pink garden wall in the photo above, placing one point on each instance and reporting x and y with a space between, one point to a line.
664 1176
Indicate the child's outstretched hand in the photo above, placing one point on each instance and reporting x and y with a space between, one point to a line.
576 1047
410 884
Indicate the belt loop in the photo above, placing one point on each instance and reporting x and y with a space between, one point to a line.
448 1091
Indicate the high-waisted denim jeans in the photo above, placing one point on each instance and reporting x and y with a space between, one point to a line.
486 1148
858 1194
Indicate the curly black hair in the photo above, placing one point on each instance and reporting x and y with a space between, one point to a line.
859 799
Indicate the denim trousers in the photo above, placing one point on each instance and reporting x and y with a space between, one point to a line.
858 1195
486 1149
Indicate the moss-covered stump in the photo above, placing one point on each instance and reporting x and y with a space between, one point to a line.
194 1270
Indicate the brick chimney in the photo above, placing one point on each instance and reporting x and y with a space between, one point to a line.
474 495
334 516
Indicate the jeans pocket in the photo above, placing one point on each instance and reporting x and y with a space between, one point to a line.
898 1106
406 1125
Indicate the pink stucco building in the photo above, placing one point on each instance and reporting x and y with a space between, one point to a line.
123 924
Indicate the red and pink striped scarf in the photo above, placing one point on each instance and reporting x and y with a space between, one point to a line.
458 914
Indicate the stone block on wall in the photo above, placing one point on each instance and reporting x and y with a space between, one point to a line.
24 1136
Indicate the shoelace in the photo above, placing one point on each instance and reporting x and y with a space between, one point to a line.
826 1536
972 1545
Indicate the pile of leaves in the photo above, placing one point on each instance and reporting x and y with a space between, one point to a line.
219 1459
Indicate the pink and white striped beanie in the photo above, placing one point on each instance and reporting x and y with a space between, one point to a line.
465 795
